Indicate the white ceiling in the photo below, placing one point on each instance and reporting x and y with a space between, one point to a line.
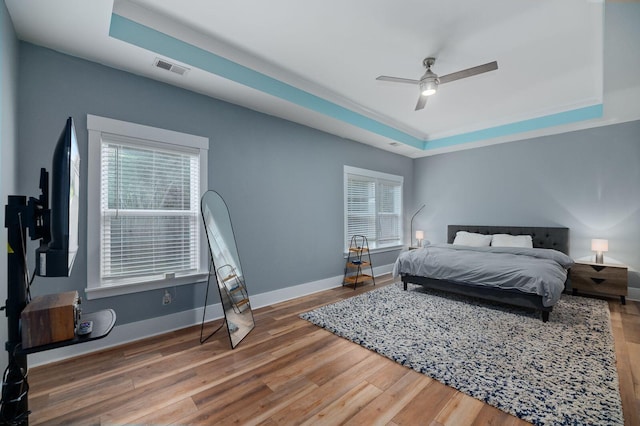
315 63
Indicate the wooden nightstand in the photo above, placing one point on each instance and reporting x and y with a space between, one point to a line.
600 278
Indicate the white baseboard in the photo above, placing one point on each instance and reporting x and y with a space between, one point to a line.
633 293
147 328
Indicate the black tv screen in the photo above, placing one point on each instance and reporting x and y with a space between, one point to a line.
55 258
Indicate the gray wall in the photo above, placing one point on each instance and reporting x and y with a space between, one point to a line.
283 182
588 181
8 140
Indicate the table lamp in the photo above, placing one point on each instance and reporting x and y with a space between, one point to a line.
599 246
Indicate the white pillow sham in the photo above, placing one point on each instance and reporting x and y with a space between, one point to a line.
464 238
506 240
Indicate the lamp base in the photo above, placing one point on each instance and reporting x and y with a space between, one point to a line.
599 257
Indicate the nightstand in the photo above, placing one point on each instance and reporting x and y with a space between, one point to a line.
600 278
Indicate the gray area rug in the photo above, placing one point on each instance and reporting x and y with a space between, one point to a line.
562 372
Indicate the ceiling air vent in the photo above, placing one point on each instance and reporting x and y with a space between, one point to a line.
165 65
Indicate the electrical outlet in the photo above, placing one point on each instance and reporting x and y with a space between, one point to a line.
166 299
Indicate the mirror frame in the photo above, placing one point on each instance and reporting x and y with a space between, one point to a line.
231 284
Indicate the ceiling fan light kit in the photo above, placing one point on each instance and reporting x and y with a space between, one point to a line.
429 86
430 81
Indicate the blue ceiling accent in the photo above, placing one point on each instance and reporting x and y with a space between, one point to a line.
147 38
566 117
153 40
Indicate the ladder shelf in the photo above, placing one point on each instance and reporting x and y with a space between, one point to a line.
358 260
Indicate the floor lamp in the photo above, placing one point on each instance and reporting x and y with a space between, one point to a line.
411 226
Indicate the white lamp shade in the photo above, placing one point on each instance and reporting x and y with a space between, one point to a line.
599 245
419 235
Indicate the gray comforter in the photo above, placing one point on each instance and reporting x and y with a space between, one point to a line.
538 271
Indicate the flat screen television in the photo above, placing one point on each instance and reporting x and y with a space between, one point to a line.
55 256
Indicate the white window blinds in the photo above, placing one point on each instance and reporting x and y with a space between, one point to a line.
149 211
373 207
389 196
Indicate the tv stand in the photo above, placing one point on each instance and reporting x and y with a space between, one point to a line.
103 322
19 217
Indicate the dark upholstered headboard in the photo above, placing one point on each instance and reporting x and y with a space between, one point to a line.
550 238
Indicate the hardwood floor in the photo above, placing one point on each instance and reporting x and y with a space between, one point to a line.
287 371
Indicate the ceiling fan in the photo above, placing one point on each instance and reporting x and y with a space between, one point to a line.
429 81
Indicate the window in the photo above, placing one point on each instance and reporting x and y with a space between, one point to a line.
373 207
144 191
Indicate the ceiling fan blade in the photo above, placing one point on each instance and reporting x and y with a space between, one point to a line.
397 79
469 72
422 101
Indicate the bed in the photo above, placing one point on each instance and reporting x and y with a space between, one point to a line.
542 237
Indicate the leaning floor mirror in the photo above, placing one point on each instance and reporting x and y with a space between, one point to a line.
225 270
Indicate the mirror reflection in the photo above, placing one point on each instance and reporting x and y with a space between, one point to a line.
225 268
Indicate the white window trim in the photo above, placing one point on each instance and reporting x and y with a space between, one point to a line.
97 126
349 170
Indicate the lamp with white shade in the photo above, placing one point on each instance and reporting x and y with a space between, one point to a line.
599 246
419 237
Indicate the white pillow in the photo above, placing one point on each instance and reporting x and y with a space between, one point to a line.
506 240
464 238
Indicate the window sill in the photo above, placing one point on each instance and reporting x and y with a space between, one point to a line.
396 247
129 288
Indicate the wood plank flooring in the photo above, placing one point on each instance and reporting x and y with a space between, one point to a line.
287 371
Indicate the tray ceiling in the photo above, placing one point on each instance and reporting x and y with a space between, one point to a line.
316 63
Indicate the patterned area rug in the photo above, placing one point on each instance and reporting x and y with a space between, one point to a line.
557 373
